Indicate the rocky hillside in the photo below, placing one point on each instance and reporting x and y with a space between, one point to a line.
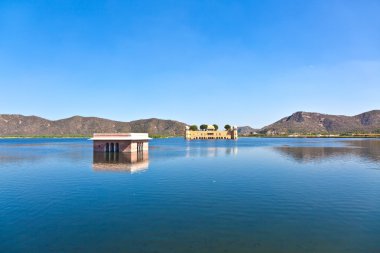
11 125
299 122
246 130
308 122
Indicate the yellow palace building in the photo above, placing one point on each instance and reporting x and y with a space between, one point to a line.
211 134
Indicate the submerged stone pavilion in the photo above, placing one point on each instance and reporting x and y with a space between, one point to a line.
120 142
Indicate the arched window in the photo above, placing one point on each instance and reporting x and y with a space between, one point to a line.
107 147
112 147
117 147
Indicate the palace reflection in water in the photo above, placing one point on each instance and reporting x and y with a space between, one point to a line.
211 151
127 162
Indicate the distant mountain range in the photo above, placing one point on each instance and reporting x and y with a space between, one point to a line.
309 122
247 130
11 125
299 122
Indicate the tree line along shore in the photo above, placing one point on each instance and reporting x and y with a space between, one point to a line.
157 136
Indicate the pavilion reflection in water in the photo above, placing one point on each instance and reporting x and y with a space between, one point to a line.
128 162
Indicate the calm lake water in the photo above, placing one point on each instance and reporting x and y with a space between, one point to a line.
250 195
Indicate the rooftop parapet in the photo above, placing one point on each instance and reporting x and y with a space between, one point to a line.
120 136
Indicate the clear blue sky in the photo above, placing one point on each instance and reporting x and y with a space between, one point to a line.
239 62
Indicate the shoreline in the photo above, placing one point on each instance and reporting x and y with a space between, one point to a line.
43 137
314 136
168 137
70 137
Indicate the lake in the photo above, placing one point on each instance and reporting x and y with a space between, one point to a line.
250 195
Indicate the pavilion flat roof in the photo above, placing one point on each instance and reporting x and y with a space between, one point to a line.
120 136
